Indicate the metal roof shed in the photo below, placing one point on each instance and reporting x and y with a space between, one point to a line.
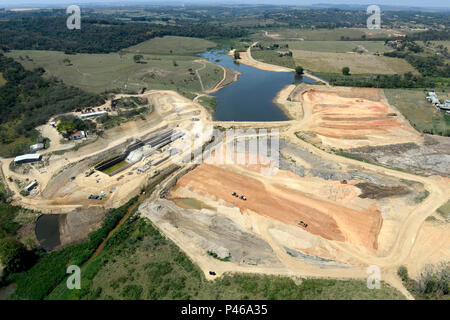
28 158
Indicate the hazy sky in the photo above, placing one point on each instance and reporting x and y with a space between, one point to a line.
418 3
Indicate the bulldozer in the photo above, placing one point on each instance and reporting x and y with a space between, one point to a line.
303 224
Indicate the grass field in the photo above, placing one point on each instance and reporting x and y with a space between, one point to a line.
358 63
444 211
208 102
338 46
420 113
118 71
272 57
172 45
137 262
2 80
331 35
446 44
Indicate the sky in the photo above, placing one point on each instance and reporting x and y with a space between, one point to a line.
40 3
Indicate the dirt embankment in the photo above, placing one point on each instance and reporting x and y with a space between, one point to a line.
353 117
326 219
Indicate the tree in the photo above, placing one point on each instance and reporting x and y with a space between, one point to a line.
299 70
403 273
345 71
237 55
138 58
13 255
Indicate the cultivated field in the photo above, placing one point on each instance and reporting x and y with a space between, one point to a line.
358 63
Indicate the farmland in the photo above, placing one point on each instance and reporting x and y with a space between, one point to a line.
330 35
338 46
358 63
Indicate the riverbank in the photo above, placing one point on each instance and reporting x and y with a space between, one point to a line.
247 59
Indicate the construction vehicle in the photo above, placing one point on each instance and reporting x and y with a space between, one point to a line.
89 173
303 224
235 194
243 197
212 273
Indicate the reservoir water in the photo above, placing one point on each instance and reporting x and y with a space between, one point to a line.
251 97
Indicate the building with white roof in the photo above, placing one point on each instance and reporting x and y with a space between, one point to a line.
32 157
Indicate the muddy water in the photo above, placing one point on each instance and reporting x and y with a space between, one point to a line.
47 231
251 97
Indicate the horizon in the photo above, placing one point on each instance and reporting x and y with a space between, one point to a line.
400 4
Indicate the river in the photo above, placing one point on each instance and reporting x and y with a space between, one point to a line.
251 97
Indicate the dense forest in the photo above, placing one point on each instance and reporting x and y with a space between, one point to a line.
97 35
28 100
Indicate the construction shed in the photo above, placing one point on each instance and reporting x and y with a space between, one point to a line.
32 157
36 147
31 186
93 114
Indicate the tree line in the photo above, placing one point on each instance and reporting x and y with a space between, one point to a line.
97 35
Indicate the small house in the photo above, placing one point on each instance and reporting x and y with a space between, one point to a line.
78 135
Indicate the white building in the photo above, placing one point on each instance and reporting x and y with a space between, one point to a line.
36 147
32 157
93 114
31 186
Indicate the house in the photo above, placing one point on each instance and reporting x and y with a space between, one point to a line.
78 135
36 147
32 157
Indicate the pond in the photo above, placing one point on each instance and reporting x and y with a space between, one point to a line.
47 231
251 97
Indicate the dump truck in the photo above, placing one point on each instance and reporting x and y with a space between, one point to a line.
243 197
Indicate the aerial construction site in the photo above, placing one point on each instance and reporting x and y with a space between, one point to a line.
333 197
